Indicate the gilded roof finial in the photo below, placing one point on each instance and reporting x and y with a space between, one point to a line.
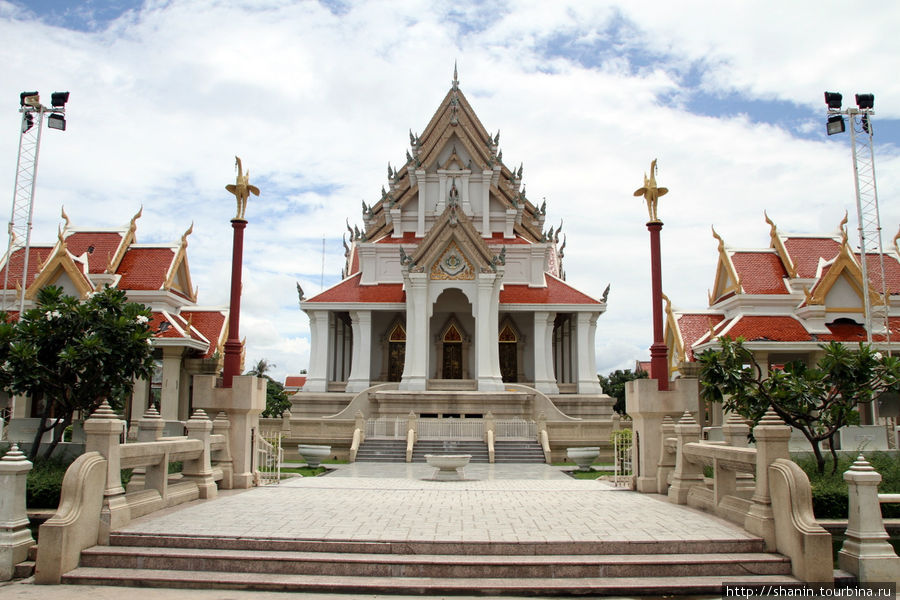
62 239
455 77
132 227
184 237
718 237
842 227
66 217
651 192
774 230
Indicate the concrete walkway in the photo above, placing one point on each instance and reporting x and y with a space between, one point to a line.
398 502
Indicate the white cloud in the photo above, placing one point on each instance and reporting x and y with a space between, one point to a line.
317 103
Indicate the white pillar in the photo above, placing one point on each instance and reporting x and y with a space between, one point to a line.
464 194
171 383
544 380
317 378
487 352
362 350
416 363
397 218
586 374
420 221
486 203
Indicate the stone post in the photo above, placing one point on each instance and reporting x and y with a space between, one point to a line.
150 428
360 423
199 427
735 431
15 537
103 430
866 552
412 423
666 459
221 426
686 474
772 437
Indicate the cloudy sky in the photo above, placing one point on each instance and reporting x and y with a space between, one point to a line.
318 97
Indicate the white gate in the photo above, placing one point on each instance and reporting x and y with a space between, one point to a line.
515 429
269 458
451 429
623 445
392 428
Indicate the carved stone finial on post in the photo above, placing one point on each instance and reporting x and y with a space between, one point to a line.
102 431
199 427
866 552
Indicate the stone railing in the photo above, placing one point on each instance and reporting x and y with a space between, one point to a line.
93 501
759 488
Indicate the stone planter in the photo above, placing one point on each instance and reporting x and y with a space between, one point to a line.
312 454
583 457
449 466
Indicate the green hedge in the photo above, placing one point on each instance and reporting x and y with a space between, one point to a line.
44 483
830 491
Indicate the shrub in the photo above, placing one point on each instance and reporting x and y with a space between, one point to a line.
829 491
45 483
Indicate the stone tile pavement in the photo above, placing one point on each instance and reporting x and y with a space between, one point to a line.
396 502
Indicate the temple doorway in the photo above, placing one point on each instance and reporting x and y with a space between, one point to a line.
509 355
396 352
452 364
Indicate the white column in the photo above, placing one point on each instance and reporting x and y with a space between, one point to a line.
464 194
544 380
362 350
171 383
416 363
487 353
423 187
317 378
443 190
486 203
139 397
586 367
397 217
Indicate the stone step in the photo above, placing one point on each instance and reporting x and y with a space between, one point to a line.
24 569
433 565
605 547
531 586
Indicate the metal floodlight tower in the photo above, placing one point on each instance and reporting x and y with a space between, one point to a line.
26 174
868 217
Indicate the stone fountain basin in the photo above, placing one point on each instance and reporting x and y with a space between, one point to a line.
449 466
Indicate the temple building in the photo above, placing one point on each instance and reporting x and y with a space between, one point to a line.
188 337
788 300
455 284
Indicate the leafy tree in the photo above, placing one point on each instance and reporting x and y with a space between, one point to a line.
614 385
277 400
71 356
817 401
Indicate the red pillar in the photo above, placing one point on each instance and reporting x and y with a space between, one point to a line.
233 343
659 367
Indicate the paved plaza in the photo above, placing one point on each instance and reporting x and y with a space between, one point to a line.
396 502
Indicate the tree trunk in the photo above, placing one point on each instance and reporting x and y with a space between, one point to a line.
58 432
820 460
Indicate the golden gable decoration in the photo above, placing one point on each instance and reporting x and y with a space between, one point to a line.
452 264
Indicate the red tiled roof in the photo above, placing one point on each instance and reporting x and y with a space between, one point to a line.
145 268
349 290
780 328
210 323
891 272
162 325
104 244
556 292
806 252
37 255
294 381
409 237
760 272
851 332
694 326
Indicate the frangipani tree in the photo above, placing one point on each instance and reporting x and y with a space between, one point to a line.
70 355
817 401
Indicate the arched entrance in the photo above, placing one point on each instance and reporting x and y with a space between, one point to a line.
509 354
452 355
396 352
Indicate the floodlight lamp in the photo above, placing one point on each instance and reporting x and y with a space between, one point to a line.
59 98
864 101
835 125
29 98
833 100
56 121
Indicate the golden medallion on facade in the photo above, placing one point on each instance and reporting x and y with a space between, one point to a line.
452 264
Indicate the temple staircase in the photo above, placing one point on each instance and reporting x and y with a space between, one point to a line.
484 568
